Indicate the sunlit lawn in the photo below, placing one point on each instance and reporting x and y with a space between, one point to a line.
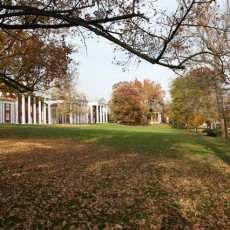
112 176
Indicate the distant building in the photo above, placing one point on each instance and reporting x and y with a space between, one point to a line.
154 114
98 111
41 109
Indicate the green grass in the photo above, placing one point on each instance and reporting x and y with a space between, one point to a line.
152 140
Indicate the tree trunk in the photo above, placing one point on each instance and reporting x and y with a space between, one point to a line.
221 110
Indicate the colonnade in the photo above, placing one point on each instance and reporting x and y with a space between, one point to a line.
98 113
78 115
33 110
27 109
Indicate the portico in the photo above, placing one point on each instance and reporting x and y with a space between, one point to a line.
98 111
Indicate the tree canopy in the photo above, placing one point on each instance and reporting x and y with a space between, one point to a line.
127 104
132 101
32 61
69 100
167 37
137 26
193 98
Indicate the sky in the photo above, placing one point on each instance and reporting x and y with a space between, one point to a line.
97 74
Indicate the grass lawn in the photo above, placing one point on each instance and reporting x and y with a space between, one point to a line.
112 176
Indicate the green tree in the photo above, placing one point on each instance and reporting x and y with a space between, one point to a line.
127 104
193 99
212 40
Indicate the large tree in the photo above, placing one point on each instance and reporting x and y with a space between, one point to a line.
151 90
127 104
153 96
193 99
212 40
69 99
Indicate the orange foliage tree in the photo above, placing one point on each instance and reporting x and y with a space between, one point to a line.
153 95
127 104
133 101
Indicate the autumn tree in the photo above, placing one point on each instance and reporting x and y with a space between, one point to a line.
193 99
127 104
153 95
30 61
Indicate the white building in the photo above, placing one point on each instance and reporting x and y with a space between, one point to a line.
80 112
98 111
40 109
25 109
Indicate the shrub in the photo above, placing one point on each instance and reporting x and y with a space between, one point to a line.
212 132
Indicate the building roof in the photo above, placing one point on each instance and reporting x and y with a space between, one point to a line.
98 100
7 99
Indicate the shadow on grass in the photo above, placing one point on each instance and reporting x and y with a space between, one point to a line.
156 141
219 149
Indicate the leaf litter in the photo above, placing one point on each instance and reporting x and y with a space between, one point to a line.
50 184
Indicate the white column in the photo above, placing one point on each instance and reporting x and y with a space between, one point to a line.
34 112
159 118
86 114
16 111
29 110
49 112
100 114
211 125
75 118
71 118
106 114
23 110
12 111
39 112
44 113
97 120
57 115
80 117
167 120
103 114
91 113
1 112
